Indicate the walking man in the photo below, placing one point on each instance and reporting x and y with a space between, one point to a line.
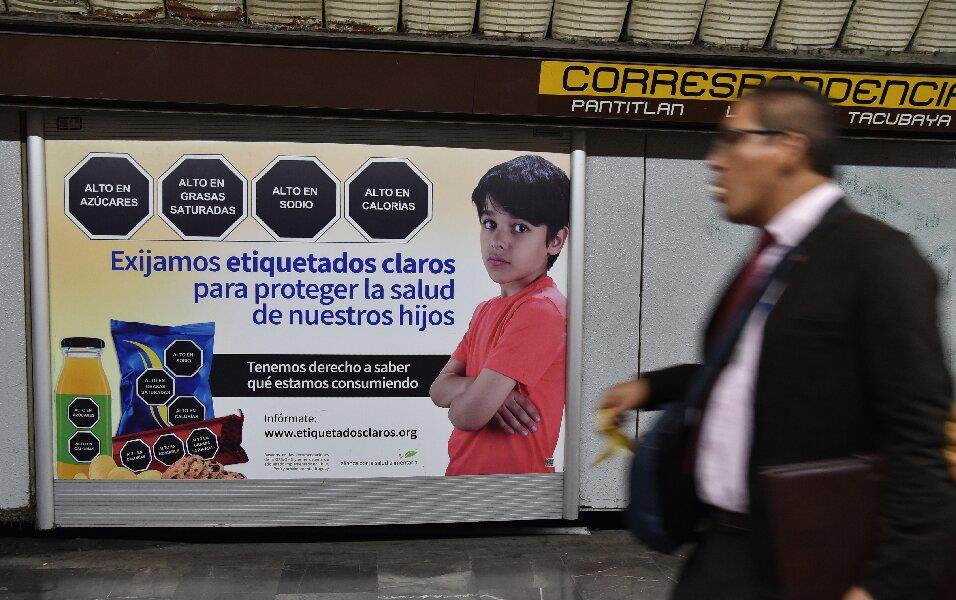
842 357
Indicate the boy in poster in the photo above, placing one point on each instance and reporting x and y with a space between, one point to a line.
504 385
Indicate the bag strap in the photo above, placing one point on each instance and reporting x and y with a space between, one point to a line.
722 348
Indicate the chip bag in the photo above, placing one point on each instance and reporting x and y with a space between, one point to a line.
164 374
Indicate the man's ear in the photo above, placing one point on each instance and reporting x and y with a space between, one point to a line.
797 148
556 243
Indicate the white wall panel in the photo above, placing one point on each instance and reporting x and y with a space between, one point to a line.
612 297
910 186
14 421
690 250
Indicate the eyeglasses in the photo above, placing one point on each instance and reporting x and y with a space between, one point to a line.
728 137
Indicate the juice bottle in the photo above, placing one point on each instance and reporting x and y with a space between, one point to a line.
83 425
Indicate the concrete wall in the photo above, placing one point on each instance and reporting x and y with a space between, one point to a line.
14 423
612 296
910 185
689 252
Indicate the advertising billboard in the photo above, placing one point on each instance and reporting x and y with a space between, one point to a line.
305 310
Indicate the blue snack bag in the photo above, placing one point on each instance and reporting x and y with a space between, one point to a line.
165 374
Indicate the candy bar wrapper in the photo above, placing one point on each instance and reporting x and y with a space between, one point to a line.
217 439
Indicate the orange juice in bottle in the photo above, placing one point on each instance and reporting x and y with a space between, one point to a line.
83 426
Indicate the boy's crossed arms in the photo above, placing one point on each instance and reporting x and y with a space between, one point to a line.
474 402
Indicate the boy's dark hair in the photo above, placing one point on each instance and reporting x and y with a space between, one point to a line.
530 188
785 105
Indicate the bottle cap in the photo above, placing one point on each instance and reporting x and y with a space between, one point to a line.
82 342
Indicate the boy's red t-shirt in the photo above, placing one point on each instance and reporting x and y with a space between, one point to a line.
523 337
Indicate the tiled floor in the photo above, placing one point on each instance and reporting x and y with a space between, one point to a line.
504 563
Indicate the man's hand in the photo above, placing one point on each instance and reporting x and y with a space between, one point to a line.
517 415
857 593
625 396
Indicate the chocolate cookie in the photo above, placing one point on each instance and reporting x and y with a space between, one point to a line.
187 467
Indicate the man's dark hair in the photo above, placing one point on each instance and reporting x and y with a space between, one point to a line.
786 105
529 188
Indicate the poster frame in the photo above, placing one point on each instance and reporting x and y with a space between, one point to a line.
573 402
42 385
43 438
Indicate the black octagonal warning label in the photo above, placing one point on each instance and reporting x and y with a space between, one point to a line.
183 358
155 387
202 197
186 409
83 446
203 442
83 412
135 455
108 196
296 198
388 200
168 448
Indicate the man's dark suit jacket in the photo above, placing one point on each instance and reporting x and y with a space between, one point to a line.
851 363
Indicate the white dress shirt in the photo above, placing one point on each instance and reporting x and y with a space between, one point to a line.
726 432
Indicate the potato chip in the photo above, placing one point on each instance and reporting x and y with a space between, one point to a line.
121 473
151 474
101 466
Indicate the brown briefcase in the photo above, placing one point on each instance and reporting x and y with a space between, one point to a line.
831 526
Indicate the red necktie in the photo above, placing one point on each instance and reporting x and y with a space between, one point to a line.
739 293
743 287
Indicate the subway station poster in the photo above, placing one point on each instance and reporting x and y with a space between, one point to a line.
283 310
